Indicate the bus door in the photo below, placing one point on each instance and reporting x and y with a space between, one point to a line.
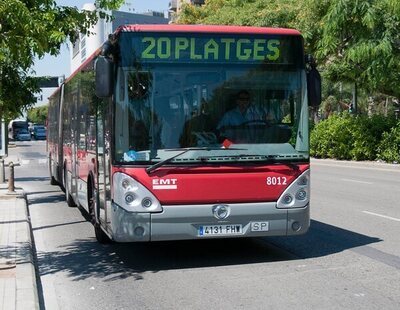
60 135
103 159
81 157
74 144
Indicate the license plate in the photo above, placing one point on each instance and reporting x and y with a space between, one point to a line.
219 230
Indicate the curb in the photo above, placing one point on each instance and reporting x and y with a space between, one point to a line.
361 164
26 280
27 288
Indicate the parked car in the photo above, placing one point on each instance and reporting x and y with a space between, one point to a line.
23 135
39 133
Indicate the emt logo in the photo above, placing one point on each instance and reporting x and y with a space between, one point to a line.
165 184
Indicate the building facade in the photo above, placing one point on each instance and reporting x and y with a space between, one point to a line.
81 49
175 7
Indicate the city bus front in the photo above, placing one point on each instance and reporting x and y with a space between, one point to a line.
210 135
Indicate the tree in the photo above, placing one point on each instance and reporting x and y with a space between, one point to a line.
33 28
16 90
38 115
280 13
357 41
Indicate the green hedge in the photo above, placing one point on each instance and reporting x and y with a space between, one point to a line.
349 137
389 147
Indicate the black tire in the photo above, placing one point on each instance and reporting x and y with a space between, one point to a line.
68 197
52 179
101 236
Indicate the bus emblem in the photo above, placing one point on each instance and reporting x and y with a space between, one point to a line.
221 211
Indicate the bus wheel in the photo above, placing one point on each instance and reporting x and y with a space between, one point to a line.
101 236
52 179
68 197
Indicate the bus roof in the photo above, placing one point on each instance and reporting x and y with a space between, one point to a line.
220 29
207 29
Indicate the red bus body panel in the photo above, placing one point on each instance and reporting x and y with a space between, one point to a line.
226 184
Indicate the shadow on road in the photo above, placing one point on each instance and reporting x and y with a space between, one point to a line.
38 197
85 258
42 192
31 179
322 239
46 199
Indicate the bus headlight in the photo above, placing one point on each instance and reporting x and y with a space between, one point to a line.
133 196
147 202
126 183
297 194
287 199
303 180
301 194
129 198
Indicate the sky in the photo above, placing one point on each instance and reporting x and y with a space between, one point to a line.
60 65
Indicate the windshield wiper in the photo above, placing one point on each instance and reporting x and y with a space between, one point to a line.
168 160
277 159
250 157
232 157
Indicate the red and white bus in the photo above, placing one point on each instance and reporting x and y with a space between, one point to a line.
135 135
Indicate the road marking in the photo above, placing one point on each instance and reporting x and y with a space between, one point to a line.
377 166
356 181
377 255
384 216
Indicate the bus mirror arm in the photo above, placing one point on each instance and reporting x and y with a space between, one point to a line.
104 70
313 82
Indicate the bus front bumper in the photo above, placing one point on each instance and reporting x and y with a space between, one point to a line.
182 222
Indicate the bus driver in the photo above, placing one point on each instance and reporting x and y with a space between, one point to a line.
243 112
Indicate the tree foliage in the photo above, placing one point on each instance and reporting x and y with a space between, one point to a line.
389 147
260 13
33 28
354 41
38 115
360 42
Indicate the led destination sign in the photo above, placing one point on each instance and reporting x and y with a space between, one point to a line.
232 49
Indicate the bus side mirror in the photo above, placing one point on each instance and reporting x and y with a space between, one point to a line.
313 84
314 88
104 77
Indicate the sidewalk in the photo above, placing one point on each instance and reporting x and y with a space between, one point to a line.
18 289
18 286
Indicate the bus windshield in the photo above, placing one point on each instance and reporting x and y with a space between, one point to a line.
221 109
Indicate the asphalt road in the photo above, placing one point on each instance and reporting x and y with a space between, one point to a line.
350 258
